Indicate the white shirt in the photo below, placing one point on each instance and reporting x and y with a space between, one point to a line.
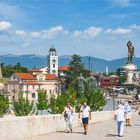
85 111
128 109
69 112
120 115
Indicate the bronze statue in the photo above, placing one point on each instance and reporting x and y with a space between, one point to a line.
91 84
130 52
86 85
81 81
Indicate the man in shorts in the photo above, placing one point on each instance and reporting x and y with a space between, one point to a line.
86 115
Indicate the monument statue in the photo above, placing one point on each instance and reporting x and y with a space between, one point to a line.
87 85
91 84
130 52
81 81
130 68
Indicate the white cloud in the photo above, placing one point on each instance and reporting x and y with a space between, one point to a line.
93 31
90 32
134 26
77 34
20 32
121 3
36 34
5 26
51 32
118 31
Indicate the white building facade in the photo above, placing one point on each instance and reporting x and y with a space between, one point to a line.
29 85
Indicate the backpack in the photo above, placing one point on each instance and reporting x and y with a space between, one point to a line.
65 115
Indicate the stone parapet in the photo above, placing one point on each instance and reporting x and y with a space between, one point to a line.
12 128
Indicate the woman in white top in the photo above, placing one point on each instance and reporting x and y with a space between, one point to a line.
68 116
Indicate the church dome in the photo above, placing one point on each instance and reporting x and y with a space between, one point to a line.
52 49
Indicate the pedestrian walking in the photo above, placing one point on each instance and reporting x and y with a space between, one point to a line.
68 115
120 119
128 113
86 115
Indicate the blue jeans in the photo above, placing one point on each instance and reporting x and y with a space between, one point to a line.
120 125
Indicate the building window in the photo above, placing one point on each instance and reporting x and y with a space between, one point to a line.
27 87
50 91
53 71
40 78
33 87
33 95
53 60
53 65
56 90
13 97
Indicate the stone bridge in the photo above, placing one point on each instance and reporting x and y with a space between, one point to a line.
50 127
105 130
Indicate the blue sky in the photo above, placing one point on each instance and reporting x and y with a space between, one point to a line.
99 28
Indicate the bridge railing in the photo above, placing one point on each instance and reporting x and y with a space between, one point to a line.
30 126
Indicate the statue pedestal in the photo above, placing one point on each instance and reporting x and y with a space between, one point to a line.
130 69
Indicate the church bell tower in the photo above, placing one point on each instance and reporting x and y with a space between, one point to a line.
53 61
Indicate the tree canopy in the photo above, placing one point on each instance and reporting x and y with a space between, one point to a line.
3 104
22 107
94 98
8 70
42 100
76 67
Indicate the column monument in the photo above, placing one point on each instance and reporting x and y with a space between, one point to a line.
130 68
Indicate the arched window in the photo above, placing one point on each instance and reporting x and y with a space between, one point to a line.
53 60
50 91
53 71
33 95
40 78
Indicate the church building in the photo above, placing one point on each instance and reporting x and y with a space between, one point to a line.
40 79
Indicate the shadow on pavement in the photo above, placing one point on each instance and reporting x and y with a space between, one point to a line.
111 135
78 132
72 132
136 124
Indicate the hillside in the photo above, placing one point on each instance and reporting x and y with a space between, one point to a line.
37 61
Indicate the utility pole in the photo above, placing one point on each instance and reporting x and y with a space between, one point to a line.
89 63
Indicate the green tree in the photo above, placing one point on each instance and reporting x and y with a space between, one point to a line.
76 67
122 79
22 107
96 100
3 104
42 100
8 70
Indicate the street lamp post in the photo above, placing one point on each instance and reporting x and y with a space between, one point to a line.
114 96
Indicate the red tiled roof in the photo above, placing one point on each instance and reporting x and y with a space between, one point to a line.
34 70
32 83
51 77
25 76
63 68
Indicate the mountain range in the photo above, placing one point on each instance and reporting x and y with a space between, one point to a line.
37 61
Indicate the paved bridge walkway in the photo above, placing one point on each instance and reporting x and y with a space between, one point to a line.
99 131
